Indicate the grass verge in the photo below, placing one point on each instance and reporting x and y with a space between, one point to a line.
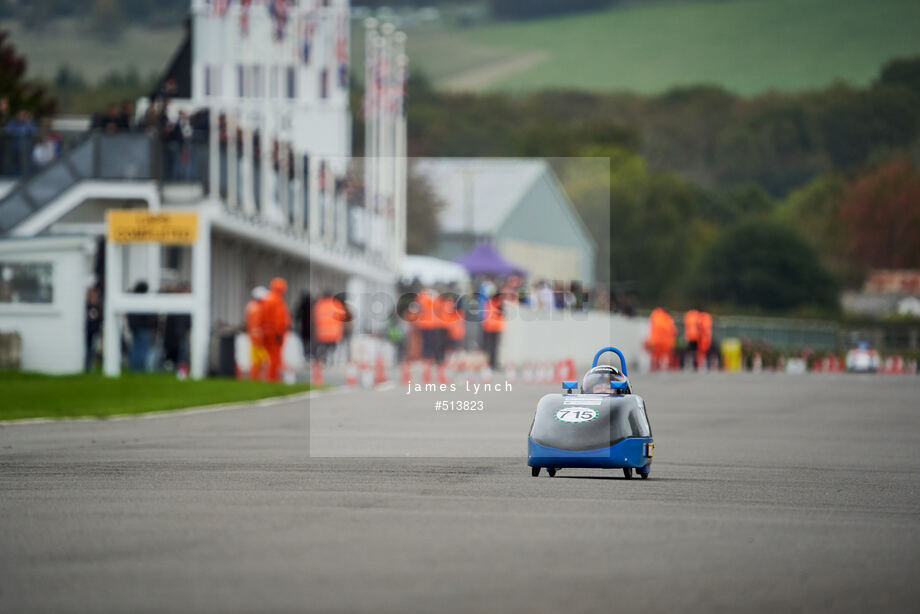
32 395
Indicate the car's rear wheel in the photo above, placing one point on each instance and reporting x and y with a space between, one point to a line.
534 471
627 473
551 471
644 474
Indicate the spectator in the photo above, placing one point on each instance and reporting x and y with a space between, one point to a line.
258 355
4 140
544 296
153 122
454 321
126 116
348 326
21 132
111 123
493 324
276 320
48 146
427 323
142 327
662 335
329 315
176 330
93 325
704 337
179 146
692 334
397 333
304 318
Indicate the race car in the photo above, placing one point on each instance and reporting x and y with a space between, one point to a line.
863 359
604 426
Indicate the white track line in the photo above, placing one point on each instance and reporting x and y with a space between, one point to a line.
190 411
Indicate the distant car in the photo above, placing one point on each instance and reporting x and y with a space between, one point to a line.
863 359
604 426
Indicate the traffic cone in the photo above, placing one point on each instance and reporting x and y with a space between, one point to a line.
485 373
558 371
351 373
547 373
442 374
426 372
528 374
511 373
316 375
406 372
367 375
380 371
570 372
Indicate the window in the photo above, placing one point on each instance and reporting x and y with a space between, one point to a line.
324 83
257 87
291 88
240 82
212 81
26 282
273 87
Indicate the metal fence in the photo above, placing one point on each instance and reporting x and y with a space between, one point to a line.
120 156
785 334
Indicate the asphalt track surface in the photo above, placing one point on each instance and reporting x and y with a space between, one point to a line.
769 493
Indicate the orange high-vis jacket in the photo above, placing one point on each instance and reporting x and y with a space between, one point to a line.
451 318
692 325
662 331
254 321
427 318
457 329
275 317
705 330
493 320
329 320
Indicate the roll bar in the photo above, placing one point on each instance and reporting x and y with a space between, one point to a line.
615 351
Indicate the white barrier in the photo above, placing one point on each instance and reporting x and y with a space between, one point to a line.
532 336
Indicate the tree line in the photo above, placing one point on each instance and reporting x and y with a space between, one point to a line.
774 202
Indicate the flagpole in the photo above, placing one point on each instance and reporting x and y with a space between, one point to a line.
371 69
400 196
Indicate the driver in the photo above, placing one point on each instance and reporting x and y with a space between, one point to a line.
597 381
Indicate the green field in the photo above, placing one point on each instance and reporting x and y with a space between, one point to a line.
30 395
69 41
747 46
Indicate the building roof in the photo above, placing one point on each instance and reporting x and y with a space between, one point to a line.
479 193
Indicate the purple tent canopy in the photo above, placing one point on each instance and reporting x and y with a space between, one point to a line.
485 260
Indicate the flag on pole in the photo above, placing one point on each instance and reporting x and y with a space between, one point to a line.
244 17
341 50
220 7
309 24
278 10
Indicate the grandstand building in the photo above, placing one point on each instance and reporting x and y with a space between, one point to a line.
258 151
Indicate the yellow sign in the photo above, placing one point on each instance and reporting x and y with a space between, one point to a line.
143 226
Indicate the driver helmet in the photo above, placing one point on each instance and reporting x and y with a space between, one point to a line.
597 379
